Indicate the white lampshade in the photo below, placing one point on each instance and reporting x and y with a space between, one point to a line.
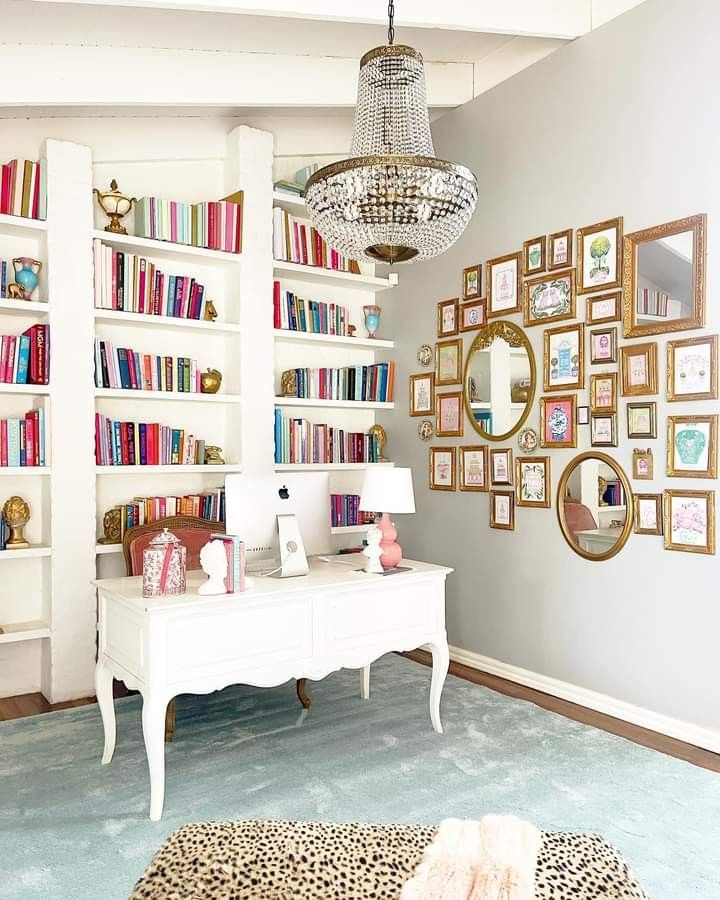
387 489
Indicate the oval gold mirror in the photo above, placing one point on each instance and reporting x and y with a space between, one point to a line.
594 505
499 380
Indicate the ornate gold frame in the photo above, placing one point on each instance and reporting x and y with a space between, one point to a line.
599 376
559 398
612 331
496 451
551 238
545 460
652 406
709 497
431 454
551 276
582 233
542 240
617 295
483 450
489 280
650 386
438 402
439 345
579 385
562 486
696 224
481 302
455 303
466 270
511 497
411 402
712 394
516 337
670 468
614 435
657 498
640 456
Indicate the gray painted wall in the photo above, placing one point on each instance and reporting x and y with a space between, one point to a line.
621 122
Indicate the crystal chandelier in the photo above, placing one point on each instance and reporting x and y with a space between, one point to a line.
392 201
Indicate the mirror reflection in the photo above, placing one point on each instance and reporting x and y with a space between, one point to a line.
664 279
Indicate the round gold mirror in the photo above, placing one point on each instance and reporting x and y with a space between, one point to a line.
499 380
594 505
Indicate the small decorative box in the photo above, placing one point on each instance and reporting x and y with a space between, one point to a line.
164 563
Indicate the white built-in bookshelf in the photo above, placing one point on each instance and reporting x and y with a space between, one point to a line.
47 600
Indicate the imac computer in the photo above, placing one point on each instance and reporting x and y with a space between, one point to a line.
281 518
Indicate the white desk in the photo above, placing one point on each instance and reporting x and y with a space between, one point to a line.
304 627
598 540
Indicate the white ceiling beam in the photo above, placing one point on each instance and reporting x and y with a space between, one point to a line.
514 56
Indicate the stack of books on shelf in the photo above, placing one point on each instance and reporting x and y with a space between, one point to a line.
235 550
131 283
144 444
296 240
22 440
122 367
215 225
299 441
209 505
614 494
345 510
360 383
292 313
23 188
25 358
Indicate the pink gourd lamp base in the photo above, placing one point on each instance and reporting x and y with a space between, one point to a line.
392 551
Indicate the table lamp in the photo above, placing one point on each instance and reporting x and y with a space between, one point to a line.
388 489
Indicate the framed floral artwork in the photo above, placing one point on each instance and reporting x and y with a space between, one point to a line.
501 466
473 315
549 297
502 510
563 361
532 481
692 372
692 446
603 346
449 414
600 255
447 316
448 363
647 514
503 278
639 369
442 468
472 285
583 415
559 249
603 430
603 392
641 419
557 421
422 394
689 521
534 255
604 308
643 467
473 474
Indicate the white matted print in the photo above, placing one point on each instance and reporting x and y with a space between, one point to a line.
689 520
503 284
600 255
692 368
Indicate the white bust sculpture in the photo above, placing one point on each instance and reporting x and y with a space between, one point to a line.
213 559
373 551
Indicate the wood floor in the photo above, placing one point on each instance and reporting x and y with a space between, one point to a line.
32 704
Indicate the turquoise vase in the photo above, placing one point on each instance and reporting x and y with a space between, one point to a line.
372 319
27 274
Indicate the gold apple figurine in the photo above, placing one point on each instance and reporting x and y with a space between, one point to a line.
16 513
210 381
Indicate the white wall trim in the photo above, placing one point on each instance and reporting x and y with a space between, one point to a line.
697 735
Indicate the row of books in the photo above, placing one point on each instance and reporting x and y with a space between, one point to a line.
300 441
296 240
614 494
131 283
345 510
373 383
209 505
25 358
295 314
652 303
22 440
23 188
144 444
123 367
216 225
235 550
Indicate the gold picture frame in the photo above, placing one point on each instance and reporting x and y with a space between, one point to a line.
501 462
468 476
471 292
632 411
526 481
603 346
631 386
529 247
698 440
412 404
689 515
595 316
602 433
544 284
447 482
555 365
602 261
505 522
492 297
707 371
448 373
603 385
564 411
556 242
455 397
473 315
641 524
442 309
643 467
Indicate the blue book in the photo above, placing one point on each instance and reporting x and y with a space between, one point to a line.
278 435
23 359
124 367
117 444
41 437
3 533
143 444
13 430
170 296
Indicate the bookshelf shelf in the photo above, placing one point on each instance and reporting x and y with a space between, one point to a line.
21 224
25 470
193 397
37 552
309 337
166 249
25 631
316 274
289 201
322 467
333 404
167 470
24 307
116 317
35 390
107 549
349 529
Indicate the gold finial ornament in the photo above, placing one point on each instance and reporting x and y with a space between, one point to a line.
115 205
213 456
112 527
16 513
378 432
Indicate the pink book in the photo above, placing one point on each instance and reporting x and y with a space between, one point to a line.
3 443
114 282
3 357
173 220
29 440
141 286
11 373
229 230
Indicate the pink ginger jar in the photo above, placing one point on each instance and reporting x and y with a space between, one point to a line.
164 566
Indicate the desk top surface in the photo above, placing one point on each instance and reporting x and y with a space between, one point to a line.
322 575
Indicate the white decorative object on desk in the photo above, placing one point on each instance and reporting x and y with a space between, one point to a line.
213 560
373 551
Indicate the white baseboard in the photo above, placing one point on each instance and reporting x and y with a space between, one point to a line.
706 738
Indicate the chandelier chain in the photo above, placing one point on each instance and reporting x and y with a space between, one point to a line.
391 22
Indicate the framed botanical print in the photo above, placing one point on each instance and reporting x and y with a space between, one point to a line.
473 314
557 421
501 466
603 392
647 509
563 361
473 468
642 464
689 521
692 446
599 256
559 249
502 510
641 419
692 372
448 363
532 481
442 468
449 414
603 346
603 430
447 323
639 369
472 285
549 297
604 308
534 256
502 277
583 415
422 394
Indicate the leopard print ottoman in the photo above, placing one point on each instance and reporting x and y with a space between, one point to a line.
323 861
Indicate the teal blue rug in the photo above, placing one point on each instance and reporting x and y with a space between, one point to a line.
73 830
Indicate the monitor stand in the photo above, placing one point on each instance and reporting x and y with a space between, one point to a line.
292 552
